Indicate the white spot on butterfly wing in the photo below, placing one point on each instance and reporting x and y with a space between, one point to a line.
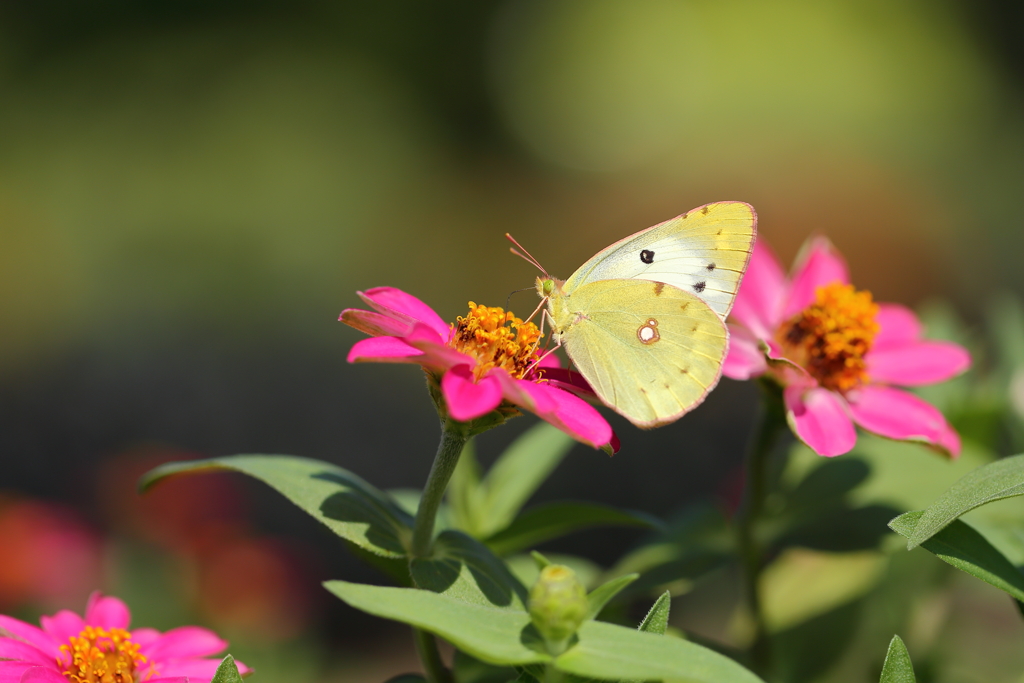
648 332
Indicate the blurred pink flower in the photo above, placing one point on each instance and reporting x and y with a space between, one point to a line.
100 648
479 363
837 354
50 556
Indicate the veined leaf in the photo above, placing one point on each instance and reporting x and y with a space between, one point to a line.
552 520
960 545
490 634
608 651
463 568
995 481
897 667
350 507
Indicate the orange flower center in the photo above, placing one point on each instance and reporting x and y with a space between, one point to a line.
99 655
830 337
484 335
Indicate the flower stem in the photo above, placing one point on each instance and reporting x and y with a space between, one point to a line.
426 647
453 438
770 422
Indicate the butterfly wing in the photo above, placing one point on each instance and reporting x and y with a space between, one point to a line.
650 351
704 251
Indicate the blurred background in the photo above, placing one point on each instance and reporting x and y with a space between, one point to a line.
190 192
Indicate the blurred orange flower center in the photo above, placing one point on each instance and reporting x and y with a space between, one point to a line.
484 335
830 337
99 655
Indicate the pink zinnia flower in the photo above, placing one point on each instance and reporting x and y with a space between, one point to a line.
479 363
837 354
101 648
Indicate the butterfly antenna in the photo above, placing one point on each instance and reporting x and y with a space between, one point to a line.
525 255
508 301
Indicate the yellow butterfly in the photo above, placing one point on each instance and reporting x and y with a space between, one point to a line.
644 319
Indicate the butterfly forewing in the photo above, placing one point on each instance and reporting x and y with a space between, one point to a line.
704 251
651 351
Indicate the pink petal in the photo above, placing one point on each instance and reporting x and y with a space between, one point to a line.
917 363
763 290
63 625
106 612
466 399
37 674
949 441
23 652
375 324
383 350
30 634
145 636
897 325
571 414
176 679
550 360
185 641
818 264
899 415
745 358
395 302
198 670
818 417
569 381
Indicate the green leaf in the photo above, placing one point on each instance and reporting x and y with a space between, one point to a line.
517 473
471 670
599 597
488 633
961 546
608 651
227 672
552 520
656 620
995 481
897 667
350 507
464 568
406 678
464 494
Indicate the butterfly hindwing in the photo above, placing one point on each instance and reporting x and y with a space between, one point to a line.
651 351
704 251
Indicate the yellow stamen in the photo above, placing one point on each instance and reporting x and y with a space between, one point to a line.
99 655
484 335
830 337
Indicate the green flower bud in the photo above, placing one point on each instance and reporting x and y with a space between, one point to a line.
558 605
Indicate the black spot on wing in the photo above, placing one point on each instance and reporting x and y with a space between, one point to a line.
699 287
647 256
711 266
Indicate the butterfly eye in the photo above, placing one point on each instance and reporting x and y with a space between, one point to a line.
648 332
647 256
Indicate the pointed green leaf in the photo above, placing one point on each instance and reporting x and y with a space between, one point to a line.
464 495
961 546
656 620
599 597
464 568
552 520
518 472
539 559
897 667
491 634
608 651
350 507
995 481
227 672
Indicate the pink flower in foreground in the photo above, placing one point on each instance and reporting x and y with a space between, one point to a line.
837 354
100 648
480 363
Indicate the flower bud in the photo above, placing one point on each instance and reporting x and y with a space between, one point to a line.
558 605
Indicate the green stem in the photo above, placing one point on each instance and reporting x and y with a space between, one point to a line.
453 438
770 422
426 647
